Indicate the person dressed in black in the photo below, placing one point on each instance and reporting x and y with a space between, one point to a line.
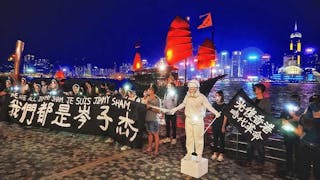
309 148
219 127
36 91
290 121
264 104
7 90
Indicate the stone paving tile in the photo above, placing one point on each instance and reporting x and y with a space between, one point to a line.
35 153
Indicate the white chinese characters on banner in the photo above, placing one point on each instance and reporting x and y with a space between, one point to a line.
104 116
84 115
62 112
118 118
267 127
127 123
28 108
15 106
43 111
256 135
250 120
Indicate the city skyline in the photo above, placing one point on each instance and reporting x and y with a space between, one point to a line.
105 33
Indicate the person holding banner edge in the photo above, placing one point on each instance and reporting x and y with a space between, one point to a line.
195 104
152 124
265 105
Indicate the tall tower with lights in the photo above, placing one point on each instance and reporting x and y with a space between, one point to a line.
236 65
295 45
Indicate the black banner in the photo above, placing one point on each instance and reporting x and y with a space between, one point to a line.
121 119
249 118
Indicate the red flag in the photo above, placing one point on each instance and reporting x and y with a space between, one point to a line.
137 45
207 21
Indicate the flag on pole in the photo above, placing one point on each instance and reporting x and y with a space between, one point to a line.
207 21
137 45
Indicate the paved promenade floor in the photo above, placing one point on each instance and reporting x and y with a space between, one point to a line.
33 153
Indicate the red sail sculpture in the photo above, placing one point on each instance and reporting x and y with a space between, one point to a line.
137 63
206 55
178 43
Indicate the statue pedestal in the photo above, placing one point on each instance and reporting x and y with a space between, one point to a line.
193 168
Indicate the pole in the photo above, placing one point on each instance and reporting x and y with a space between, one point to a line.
214 48
209 126
18 52
185 71
237 145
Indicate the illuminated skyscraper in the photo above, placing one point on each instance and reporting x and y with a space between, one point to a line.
266 69
224 61
43 65
236 67
295 45
125 68
28 63
291 70
89 69
310 59
36 65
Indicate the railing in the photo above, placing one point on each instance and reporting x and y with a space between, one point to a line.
274 147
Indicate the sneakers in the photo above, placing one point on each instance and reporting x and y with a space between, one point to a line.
109 140
166 140
214 156
174 141
187 157
220 158
123 148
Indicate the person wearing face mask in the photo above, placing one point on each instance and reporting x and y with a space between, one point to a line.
264 104
170 100
195 104
219 127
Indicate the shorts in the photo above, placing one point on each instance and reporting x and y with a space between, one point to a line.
152 126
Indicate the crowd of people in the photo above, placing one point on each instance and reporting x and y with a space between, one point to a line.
299 127
58 87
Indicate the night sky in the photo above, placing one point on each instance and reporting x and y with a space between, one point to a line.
105 31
